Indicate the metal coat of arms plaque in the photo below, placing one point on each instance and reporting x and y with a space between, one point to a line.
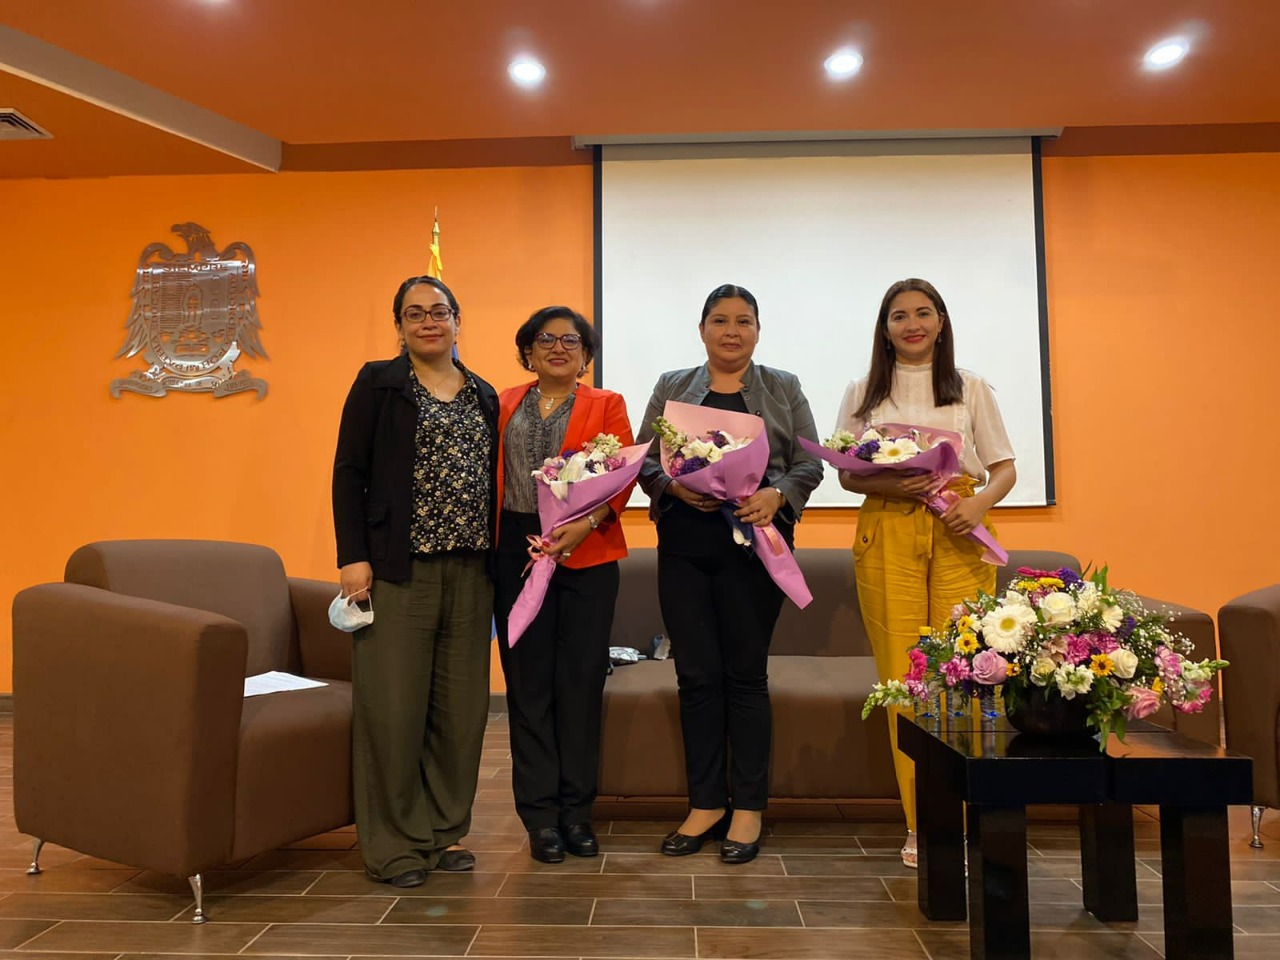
193 315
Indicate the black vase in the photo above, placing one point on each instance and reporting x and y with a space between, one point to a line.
1037 712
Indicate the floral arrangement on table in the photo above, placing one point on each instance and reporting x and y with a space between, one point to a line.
570 486
598 456
713 453
1057 636
913 451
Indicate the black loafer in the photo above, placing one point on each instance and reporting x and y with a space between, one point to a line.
580 840
546 845
734 851
677 844
456 861
410 878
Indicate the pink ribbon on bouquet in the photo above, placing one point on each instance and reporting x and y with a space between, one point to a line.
581 498
941 461
734 477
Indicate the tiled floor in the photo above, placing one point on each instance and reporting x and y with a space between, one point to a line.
828 885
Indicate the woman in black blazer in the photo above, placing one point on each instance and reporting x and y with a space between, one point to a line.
413 513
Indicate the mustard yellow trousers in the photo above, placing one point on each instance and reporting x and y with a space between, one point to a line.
911 570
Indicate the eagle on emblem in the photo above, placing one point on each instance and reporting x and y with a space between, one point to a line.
194 314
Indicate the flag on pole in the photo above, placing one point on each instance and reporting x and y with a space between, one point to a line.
436 267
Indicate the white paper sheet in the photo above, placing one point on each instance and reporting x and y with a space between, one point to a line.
277 681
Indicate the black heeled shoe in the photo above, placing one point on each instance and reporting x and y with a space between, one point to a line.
546 845
736 851
580 839
677 844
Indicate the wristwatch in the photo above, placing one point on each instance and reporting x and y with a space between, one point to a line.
591 519
781 496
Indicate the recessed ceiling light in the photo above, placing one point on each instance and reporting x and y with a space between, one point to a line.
526 71
843 64
1166 53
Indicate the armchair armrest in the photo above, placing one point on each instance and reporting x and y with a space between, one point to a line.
126 726
1251 685
324 650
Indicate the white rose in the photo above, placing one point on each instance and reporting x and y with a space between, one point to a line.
1058 609
714 454
1042 671
1072 680
1012 598
870 434
1005 629
1112 617
699 448
1125 663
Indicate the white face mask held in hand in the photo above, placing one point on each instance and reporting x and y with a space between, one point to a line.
350 615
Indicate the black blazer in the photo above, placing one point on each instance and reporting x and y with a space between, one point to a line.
373 467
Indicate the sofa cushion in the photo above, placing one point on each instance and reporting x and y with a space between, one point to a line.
293 776
822 749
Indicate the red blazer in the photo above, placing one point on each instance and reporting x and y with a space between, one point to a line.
594 411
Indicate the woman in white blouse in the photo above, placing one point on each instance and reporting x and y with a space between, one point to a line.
911 566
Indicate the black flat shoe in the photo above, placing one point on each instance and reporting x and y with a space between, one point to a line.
456 861
580 840
734 851
677 844
410 878
546 845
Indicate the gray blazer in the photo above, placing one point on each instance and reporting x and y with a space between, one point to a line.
773 395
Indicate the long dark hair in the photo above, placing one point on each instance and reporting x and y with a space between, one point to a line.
727 291
948 388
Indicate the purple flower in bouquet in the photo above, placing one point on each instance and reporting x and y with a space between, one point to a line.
1170 664
866 451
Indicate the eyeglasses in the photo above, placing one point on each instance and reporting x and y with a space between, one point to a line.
439 313
570 341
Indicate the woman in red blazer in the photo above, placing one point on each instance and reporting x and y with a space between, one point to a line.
555 674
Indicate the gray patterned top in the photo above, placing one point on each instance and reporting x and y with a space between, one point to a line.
527 442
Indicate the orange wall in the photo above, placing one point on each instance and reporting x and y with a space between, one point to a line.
1156 338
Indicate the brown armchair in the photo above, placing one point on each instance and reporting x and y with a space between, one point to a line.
1250 627
133 740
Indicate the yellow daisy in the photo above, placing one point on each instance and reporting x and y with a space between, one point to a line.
964 623
1028 584
1051 582
967 642
1015 669
1102 665
1157 686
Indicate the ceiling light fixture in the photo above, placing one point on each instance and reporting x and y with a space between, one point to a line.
843 64
526 72
1166 54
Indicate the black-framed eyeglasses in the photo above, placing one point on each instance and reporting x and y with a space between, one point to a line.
570 341
439 313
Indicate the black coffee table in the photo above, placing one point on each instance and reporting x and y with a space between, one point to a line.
979 777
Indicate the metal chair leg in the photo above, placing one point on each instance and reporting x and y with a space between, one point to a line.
197 887
1255 813
34 869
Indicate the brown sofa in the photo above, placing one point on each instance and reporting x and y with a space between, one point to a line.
133 740
1250 628
820 671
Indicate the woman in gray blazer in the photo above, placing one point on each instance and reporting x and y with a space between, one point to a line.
719 605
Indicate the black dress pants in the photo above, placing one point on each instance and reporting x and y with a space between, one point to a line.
555 680
719 610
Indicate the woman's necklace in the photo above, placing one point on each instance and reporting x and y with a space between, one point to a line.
549 402
434 389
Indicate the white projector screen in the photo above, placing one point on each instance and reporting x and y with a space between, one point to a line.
818 232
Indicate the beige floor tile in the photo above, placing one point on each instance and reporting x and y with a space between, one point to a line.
397 939
101 936
595 942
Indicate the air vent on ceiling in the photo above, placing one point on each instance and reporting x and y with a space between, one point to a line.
14 126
